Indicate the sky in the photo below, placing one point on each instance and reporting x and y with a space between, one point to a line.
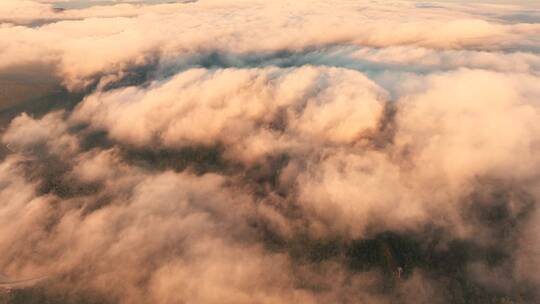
78 4
235 151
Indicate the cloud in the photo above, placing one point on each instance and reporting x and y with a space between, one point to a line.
269 152
250 112
90 42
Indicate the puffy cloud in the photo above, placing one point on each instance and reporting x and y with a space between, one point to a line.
97 40
474 122
250 112
451 129
26 133
269 152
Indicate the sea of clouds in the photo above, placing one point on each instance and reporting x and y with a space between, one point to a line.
234 151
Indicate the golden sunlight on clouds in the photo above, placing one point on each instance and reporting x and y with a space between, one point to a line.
242 151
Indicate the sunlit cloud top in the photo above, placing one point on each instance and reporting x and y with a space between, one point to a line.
241 151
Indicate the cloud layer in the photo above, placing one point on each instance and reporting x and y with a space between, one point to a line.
269 152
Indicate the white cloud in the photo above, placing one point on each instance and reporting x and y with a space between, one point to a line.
271 152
